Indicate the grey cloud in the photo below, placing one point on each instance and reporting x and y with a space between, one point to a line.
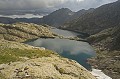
50 4
85 4
27 4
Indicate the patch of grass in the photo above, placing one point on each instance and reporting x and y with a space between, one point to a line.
61 70
14 54
1 76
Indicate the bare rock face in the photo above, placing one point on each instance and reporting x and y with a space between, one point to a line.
45 68
107 46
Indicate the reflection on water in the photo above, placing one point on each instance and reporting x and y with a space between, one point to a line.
76 50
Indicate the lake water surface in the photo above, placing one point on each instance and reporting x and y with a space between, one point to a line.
64 32
76 50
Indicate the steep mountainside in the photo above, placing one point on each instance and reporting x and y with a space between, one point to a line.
58 17
107 39
107 46
23 31
101 18
78 14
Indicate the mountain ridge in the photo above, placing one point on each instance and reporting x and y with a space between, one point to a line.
56 18
101 18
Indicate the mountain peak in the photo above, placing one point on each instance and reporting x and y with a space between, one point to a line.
58 17
63 10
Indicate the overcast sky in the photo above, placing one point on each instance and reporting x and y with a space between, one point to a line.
74 5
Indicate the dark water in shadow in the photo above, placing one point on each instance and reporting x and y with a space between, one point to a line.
76 50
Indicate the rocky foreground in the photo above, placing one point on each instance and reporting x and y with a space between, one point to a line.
21 61
45 68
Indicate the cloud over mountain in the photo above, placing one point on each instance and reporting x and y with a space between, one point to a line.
50 4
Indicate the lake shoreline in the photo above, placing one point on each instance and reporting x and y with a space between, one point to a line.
67 36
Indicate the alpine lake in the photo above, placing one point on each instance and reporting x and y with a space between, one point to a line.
76 50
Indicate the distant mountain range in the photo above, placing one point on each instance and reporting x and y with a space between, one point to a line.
101 18
90 21
61 16
56 18
7 20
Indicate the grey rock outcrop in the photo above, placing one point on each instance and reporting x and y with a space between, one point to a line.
23 31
